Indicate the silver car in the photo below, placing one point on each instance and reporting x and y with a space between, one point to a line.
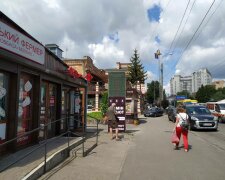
201 118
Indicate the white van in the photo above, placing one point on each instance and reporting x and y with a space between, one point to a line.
217 109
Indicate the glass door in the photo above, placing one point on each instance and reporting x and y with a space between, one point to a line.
64 109
51 106
3 106
48 110
25 108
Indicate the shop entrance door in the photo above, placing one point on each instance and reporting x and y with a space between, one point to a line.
4 94
25 115
64 109
48 110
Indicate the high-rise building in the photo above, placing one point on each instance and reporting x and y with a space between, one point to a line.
190 83
201 77
180 83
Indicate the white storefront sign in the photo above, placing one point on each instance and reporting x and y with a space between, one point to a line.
19 44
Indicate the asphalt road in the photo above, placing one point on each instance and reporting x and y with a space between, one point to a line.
151 157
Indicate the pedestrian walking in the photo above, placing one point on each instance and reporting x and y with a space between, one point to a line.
181 127
112 121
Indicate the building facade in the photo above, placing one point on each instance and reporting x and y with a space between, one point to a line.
190 83
36 89
97 82
201 77
218 84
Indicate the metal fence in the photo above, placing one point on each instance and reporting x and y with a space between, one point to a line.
67 134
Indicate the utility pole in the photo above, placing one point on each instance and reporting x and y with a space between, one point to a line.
157 56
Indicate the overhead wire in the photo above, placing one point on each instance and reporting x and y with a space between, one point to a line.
209 19
189 42
179 25
184 25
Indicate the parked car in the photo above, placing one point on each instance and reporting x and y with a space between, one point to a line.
172 113
153 112
217 109
201 118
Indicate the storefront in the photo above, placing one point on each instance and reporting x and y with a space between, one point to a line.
36 89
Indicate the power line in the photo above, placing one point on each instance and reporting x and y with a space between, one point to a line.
184 25
208 20
189 42
179 25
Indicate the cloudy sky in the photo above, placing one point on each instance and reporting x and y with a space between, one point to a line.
189 33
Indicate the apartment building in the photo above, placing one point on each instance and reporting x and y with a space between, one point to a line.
190 83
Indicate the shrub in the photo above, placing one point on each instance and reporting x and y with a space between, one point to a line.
94 116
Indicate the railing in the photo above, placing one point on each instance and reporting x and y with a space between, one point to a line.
46 141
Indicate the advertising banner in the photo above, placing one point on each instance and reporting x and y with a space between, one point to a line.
120 111
20 44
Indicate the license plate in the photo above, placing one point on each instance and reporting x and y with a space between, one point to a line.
207 124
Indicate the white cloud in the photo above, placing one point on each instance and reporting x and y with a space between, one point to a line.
106 54
83 26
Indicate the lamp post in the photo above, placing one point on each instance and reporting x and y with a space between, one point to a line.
157 56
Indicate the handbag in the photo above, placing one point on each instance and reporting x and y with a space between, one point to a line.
184 124
174 138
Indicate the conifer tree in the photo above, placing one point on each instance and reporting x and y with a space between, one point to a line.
136 70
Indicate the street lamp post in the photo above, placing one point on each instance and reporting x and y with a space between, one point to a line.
157 56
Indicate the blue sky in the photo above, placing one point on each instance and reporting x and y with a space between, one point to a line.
111 30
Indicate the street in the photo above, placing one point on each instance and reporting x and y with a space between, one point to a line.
149 155
153 156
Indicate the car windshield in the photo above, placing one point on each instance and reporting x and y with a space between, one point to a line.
222 106
197 110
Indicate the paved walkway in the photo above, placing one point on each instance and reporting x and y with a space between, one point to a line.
104 162
108 156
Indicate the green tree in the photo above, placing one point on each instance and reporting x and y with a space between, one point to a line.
165 103
205 93
136 70
152 92
184 93
104 103
218 96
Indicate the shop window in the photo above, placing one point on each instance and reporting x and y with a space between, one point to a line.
25 108
3 106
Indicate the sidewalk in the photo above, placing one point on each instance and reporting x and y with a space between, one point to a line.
107 156
103 163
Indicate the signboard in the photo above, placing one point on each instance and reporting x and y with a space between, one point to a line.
181 97
20 44
120 111
117 84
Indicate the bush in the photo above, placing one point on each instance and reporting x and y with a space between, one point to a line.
94 116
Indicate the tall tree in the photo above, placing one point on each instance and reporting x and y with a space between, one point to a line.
136 70
152 92
205 93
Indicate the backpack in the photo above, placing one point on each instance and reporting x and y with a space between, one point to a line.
184 124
